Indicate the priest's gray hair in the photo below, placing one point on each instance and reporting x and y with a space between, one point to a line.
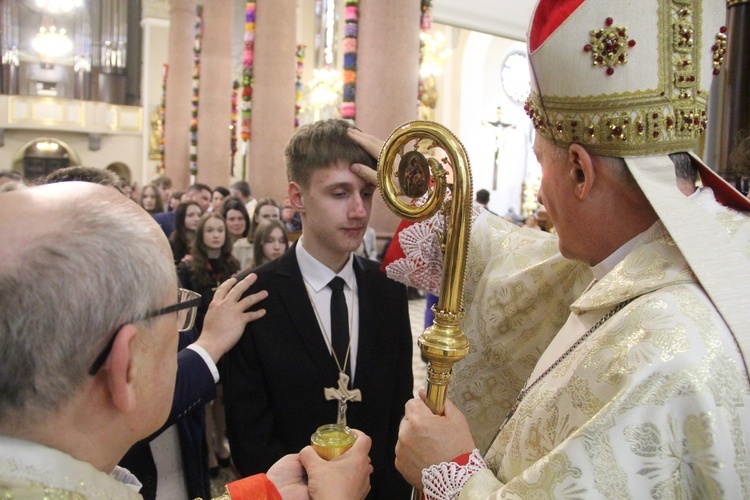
71 289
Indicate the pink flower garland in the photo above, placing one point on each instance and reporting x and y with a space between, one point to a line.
247 70
425 24
196 89
162 116
233 126
351 17
298 84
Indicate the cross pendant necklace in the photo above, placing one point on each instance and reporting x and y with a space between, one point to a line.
342 393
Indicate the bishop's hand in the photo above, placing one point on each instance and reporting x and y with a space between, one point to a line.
288 475
425 439
346 476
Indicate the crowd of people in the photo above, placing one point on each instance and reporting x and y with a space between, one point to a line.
609 359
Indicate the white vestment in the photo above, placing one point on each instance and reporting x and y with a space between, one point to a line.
654 403
32 471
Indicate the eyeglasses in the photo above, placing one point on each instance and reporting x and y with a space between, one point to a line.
186 309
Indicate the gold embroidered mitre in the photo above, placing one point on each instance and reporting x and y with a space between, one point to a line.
624 78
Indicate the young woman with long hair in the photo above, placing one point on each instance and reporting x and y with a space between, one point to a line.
186 219
270 241
212 264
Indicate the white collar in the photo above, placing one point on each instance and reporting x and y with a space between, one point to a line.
318 275
604 267
702 196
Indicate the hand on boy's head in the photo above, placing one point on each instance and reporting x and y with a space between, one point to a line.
368 142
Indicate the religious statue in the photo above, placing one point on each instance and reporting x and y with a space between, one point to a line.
156 137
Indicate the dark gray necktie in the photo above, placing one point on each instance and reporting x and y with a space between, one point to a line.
339 321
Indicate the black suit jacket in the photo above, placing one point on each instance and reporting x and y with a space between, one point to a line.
275 376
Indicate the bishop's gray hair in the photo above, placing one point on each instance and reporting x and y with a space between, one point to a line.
71 289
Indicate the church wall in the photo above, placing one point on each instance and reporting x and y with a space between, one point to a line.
470 92
113 148
155 33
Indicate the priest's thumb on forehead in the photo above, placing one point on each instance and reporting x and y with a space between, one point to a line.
365 173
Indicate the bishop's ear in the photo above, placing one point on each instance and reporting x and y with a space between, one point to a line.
582 170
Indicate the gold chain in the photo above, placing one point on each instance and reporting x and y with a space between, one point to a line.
325 331
527 388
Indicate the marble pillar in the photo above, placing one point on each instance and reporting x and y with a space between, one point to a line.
214 112
387 77
273 97
179 92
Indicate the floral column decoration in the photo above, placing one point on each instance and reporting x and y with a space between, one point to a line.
233 126
351 17
425 25
162 116
298 86
196 90
247 70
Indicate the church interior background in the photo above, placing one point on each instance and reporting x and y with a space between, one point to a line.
84 82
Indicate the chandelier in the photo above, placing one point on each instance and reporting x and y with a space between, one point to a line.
58 6
325 87
51 42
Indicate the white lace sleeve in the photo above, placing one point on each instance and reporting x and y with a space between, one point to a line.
422 266
445 481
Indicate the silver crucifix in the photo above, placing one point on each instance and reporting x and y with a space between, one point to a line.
343 395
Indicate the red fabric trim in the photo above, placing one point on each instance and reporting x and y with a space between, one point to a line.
462 459
723 191
395 252
257 487
548 16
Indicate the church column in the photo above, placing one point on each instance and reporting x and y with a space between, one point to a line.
273 96
215 94
179 92
387 77
736 109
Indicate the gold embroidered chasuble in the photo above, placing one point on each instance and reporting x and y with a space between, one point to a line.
33 471
653 404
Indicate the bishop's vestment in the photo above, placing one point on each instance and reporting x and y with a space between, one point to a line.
653 403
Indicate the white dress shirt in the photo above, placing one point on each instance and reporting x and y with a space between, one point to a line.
316 276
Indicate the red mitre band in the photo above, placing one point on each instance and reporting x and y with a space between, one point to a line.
548 16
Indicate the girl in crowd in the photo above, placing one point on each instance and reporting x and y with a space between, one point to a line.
218 195
238 221
174 199
266 209
238 227
150 199
186 219
271 240
211 265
